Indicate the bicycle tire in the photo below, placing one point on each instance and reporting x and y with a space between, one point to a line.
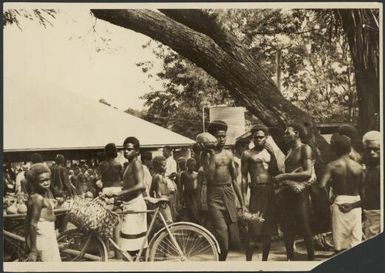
195 244
74 239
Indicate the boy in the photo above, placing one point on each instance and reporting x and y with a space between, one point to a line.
189 186
159 187
41 235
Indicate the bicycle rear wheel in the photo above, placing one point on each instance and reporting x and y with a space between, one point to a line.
75 245
195 244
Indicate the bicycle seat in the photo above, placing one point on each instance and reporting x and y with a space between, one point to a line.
156 201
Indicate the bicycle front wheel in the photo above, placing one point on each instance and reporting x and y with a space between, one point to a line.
75 245
195 244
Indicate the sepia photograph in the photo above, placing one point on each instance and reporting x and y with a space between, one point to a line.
190 136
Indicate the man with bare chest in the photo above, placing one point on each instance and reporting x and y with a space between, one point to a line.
261 166
221 190
346 177
134 226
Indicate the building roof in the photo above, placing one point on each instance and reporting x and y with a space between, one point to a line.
40 118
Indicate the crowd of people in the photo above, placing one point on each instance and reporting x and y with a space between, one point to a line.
214 186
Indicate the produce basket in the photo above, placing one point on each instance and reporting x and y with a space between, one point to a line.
93 215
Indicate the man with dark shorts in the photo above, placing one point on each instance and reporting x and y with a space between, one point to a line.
261 166
221 189
346 177
295 206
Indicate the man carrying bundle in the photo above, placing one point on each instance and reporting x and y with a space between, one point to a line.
218 164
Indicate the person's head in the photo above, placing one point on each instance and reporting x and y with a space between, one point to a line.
191 164
146 158
40 177
167 151
218 128
110 151
131 147
341 144
24 167
293 132
159 164
259 134
59 159
348 130
181 164
36 158
372 148
241 145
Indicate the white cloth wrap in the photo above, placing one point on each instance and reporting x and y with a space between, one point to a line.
347 227
46 242
134 226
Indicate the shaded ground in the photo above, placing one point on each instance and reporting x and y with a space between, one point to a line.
278 253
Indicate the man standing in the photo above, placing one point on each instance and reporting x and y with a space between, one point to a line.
372 184
171 166
295 206
261 166
134 226
346 175
221 184
61 185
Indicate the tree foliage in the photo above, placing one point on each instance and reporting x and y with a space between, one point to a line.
317 72
14 16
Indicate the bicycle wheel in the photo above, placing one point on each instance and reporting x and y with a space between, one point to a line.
195 244
75 245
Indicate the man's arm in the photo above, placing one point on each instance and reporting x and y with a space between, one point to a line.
306 173
244 172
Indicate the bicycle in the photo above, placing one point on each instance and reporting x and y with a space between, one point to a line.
179 241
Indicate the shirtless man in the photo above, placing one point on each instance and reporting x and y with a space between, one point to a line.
372 183
189 186
346 177
218 164
134 226
295 206
261 166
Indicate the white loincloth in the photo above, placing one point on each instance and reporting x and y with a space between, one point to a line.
372 222
134 226
46 242
347 227
113 190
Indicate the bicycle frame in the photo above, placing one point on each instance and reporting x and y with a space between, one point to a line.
166 227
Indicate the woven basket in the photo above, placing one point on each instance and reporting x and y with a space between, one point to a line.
93 215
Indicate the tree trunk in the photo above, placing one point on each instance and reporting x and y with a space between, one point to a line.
222 58
361 29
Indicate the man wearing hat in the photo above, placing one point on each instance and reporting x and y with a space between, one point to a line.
372 184
221 184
